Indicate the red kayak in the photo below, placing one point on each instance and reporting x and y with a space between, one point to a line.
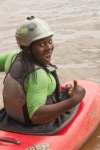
71 137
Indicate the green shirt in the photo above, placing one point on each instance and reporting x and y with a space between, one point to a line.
36 93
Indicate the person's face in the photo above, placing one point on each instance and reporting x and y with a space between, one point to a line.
42 50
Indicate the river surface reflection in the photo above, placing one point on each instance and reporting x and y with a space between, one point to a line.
77 38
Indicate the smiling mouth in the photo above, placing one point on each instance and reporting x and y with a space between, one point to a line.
47 57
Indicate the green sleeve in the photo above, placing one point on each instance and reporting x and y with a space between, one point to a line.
3 58
6 60
37 92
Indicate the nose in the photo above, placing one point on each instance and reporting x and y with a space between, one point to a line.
49 47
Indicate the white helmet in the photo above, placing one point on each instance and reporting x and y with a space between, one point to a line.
32 29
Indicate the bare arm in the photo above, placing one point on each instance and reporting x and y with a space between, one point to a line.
48 113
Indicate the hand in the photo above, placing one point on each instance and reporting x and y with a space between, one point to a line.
64 94
68 86
77 93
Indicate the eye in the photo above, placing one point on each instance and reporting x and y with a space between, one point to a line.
41 44
50 42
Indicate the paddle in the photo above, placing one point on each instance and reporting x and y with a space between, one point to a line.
10 141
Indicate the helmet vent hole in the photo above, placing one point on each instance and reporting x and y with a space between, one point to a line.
32 26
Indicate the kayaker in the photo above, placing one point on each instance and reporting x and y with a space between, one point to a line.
31 91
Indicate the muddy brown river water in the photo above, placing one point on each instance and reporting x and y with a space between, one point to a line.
77 39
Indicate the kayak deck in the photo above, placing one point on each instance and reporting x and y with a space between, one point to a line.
71 137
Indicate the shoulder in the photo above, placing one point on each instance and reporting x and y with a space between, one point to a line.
8 59
41 71
39 74
12 54
37 80
7 54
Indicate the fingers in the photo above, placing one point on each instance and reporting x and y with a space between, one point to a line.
68 86
70 91
75 84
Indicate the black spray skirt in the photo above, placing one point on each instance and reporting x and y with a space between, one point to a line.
9 124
